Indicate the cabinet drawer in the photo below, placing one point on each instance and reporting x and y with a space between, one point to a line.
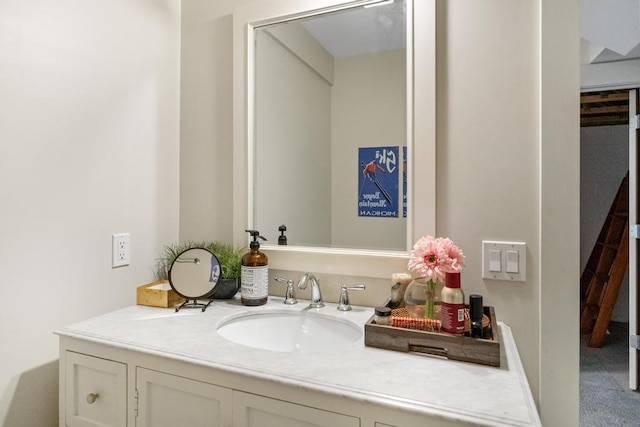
250 410
166 400
96 391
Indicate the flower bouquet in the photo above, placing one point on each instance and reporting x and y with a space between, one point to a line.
429 261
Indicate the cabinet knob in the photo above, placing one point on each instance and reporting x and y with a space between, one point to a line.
92 397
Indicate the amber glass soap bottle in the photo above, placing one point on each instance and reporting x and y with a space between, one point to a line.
254 273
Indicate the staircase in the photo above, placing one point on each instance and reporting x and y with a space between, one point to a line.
601 279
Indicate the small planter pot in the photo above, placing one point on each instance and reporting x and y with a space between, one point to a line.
226 288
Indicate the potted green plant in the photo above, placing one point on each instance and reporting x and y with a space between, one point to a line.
229 257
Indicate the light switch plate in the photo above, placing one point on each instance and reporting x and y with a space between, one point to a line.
513 261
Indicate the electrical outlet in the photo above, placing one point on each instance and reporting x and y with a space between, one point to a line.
121 250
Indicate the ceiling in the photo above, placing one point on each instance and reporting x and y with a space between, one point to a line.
360 30
610 30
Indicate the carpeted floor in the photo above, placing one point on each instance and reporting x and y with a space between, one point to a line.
605 397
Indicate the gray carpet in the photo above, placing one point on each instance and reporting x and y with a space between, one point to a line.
605 397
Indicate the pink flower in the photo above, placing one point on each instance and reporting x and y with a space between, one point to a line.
432 257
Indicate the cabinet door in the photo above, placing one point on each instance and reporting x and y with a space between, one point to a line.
250 410
95 392
170 400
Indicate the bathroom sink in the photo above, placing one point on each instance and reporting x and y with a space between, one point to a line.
290 331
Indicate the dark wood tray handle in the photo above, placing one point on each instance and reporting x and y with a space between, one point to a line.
437 351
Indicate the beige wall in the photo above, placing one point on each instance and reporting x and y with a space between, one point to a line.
369 110
507 163
293 146
487 151
89 99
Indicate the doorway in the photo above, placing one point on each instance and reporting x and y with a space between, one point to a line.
604 162
605 397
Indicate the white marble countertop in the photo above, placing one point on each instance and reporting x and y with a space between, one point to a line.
423 384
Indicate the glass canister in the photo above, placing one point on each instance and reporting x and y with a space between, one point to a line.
422 298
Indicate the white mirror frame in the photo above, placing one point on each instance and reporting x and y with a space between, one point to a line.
421 138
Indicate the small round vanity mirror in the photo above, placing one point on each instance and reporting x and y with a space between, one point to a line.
194 273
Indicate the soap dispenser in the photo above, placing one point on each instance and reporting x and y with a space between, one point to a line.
282 239
254 274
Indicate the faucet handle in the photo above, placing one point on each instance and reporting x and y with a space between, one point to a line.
290 296
343 303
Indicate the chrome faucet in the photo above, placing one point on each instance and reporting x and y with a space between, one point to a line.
316 295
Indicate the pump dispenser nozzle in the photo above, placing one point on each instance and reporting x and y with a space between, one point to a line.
255 234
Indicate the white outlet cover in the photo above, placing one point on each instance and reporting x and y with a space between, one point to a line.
120 250
504 247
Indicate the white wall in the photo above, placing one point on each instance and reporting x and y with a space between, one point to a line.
604 161
610 75
89 127
507 163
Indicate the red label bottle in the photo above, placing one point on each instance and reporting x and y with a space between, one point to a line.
452 308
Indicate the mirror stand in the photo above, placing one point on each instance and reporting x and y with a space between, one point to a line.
194 304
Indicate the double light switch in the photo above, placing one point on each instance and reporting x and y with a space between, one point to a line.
504 260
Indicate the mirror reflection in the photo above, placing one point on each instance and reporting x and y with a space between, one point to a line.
194 273
330 129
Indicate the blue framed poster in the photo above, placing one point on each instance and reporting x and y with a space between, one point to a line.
378 181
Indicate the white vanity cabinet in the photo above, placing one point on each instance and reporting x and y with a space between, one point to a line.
250 410
165 400
99 391
95 392
145 366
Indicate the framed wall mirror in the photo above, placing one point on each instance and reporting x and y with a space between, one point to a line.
326 132
330 128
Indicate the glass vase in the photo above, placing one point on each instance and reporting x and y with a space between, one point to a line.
422 299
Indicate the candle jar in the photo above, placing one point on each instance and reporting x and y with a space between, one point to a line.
382 316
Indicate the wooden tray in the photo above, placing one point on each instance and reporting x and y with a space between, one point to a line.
466 349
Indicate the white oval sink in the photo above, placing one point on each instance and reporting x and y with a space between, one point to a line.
290 331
